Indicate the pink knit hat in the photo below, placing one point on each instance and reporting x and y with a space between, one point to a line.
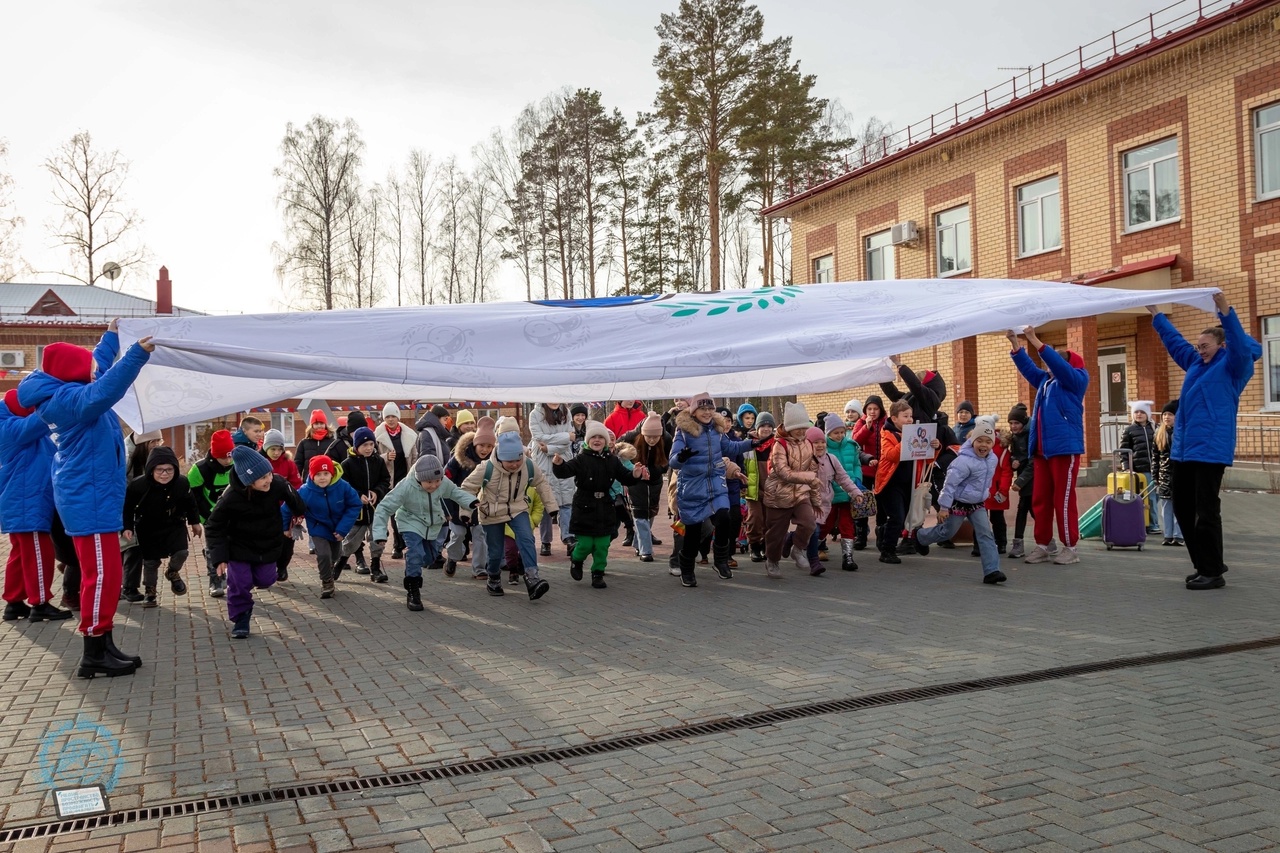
652 426
815 435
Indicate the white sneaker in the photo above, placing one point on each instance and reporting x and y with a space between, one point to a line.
773 570
802 559
675 572
1065 556
1038 554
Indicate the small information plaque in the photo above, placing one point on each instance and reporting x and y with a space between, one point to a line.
74 802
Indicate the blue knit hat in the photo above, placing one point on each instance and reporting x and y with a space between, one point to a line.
250 465
361 435
509 447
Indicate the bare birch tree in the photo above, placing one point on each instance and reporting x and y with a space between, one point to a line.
10 223
318 181
395 232
420 191
95 219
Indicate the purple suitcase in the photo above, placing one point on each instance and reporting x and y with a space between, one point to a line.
1124 522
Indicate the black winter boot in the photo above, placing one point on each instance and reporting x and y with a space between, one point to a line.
339 567
676 545
15 610
847 563
686 571
375 571
414 598
722 553
597 580
631 538
757 552
96 660
115 652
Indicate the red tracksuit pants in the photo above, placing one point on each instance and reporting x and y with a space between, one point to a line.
101 575
29 572
1053 496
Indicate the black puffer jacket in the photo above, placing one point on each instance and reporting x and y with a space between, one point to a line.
331 445
925 397
367 474
1024 466
159 514
1141 439
593 473
246 525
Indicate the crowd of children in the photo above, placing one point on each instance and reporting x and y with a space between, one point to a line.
455 486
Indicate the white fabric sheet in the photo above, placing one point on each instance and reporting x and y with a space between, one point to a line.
736 343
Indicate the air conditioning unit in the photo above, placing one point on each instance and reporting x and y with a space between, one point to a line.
11 358
904 232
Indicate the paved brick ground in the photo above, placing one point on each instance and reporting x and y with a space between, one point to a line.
1174 757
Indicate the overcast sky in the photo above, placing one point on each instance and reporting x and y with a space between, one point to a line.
197 94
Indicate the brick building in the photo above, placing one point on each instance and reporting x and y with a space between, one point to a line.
35 315
1150 160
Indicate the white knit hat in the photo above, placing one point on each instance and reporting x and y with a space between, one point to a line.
795 416
1141 406
595 428
854 405
984 426
506 423
390 410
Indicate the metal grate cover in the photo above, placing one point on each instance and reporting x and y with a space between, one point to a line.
517 760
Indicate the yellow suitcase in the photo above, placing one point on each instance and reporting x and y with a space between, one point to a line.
1127 481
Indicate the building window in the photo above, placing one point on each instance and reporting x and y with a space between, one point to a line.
880 262
1039 217
283 421
1151 185
1271 350
1266 148
952 228
824 269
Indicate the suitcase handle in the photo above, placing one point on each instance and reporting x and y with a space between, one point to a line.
1116 456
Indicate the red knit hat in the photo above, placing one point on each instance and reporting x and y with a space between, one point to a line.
318 464
928 377
221 444
318 417
11 401
67 362
1075 360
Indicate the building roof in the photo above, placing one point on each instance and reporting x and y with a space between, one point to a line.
73 304
1172 26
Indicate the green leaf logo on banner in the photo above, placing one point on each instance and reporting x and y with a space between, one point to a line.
736 301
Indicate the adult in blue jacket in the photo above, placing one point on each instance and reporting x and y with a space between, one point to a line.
697 453
89 477
1219 366
1056 442
26 512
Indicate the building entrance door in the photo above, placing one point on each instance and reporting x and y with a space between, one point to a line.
1113 374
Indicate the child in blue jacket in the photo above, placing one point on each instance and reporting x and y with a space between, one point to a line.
963 494
333 507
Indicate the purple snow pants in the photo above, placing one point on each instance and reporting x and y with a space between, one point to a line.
241 579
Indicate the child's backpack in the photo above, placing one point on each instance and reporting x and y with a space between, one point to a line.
488 472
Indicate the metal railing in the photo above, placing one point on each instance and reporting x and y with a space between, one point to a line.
1257 437
1155 26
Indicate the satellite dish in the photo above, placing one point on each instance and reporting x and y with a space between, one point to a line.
111 270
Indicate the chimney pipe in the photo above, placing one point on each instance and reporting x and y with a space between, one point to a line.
164 292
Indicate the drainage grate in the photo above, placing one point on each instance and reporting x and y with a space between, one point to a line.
544 756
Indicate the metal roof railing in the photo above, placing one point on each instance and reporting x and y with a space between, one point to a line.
1156 26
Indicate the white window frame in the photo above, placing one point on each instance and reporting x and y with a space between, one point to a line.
1260 131
817 273
283 421
884 248
1149 168
939 230
1036 202
1270 370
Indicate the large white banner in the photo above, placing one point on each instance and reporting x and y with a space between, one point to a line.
786 340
